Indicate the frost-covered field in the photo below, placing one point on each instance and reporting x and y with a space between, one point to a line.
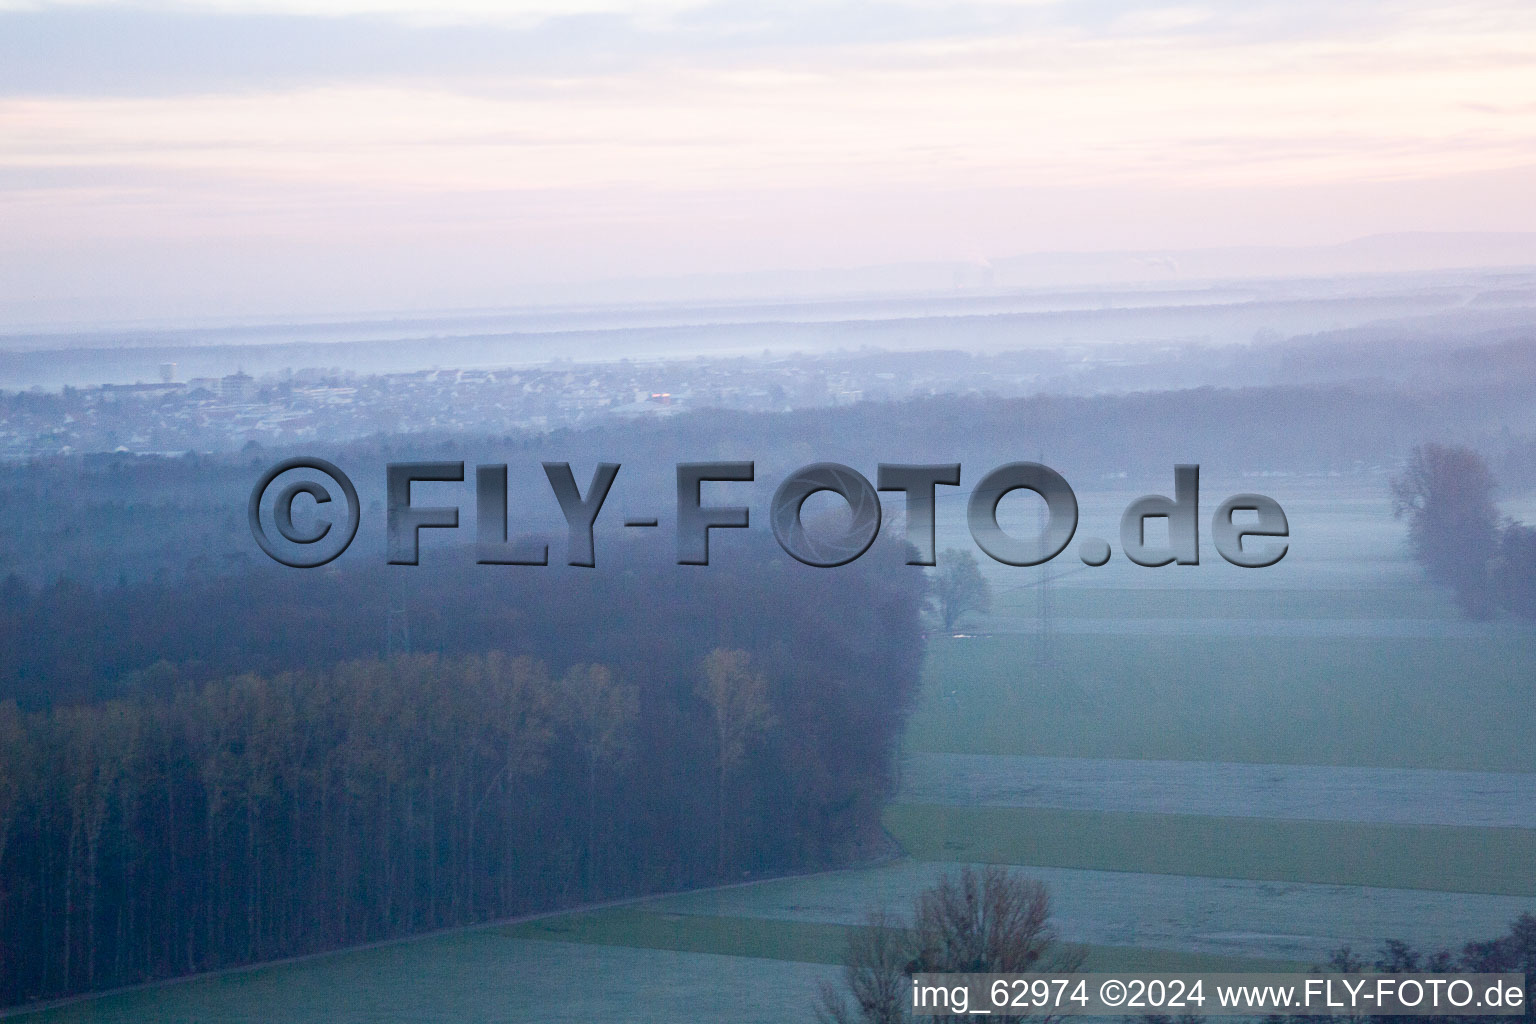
1232 917
482 977
1408 796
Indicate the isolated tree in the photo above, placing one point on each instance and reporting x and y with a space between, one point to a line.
989 921
959 587
742 715
1447 495
980 921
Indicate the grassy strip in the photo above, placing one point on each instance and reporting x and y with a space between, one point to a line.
1408 703
810 941
1500 861
804 941
1321 603
1173 961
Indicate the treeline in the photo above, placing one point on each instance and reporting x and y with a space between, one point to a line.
1446 492
623 732
1514 952
66 641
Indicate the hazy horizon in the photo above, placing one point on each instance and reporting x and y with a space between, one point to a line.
259 158
1039 281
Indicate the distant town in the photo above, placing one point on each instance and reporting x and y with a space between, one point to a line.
221 414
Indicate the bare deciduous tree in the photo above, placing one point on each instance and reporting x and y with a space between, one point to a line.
959 587
987 921
990 920
1447 495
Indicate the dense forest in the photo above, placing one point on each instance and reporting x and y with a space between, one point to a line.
268 765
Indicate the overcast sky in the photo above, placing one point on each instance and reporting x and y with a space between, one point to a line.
182 160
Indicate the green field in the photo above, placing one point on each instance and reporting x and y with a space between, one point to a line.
805 941
476 977
815 942
1076 598
1475 860
1420 703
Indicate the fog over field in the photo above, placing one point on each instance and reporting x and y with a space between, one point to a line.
1208 766
1111 322
707 510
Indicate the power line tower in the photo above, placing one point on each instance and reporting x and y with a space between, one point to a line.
1045 637
397 623
397 633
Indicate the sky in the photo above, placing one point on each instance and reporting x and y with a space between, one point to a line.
244 157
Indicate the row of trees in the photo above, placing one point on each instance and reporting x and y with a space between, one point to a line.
262 816
1514 952
65 641
224 773
1446 493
